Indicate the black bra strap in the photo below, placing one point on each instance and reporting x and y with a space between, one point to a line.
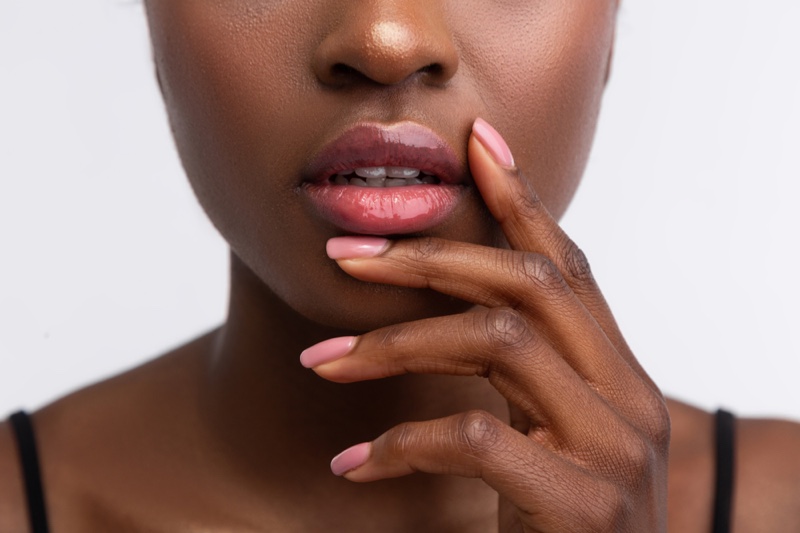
725 453
26 444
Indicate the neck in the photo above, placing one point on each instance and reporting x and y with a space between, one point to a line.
260 403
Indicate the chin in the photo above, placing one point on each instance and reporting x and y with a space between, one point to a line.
324 296
356 306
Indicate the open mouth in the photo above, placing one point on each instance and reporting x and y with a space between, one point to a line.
384 177
378 179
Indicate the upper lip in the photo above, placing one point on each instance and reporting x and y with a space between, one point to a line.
404 144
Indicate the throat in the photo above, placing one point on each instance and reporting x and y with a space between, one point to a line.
262 407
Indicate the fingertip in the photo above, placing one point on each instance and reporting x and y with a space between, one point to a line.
351 459
488 176
500 185
327 351
355 247
493 142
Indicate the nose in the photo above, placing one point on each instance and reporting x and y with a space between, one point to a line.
387 42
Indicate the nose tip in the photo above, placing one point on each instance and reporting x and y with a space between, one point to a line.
387 50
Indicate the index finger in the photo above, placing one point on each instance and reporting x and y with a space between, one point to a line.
510 197
528 226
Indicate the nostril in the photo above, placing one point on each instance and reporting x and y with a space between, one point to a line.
434 69
340 69
344 73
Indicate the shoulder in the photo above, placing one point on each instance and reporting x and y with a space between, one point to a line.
13 513
60 498
767 472
101 446
768 475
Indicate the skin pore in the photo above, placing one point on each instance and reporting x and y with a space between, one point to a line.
232 433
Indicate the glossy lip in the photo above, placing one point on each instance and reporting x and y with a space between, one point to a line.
392 210
405 144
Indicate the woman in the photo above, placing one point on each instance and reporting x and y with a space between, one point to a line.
296 123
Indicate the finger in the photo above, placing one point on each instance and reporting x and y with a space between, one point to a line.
497 344
528 226
540 484
526 223
494 277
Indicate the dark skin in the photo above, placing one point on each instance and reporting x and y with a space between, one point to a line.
484 346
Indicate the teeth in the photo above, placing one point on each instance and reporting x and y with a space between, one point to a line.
402 172
371 172
384 177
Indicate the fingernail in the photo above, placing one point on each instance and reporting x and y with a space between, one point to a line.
355 247
351 458
493 142
326 351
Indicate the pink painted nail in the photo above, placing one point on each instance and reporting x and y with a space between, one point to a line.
326 351
493 142
355 247
351 458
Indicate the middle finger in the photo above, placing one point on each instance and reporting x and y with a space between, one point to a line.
492 277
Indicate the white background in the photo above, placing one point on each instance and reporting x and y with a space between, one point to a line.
688 211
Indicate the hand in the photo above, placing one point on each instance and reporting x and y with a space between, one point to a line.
588 442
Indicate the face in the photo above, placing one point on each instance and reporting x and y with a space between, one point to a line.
263 96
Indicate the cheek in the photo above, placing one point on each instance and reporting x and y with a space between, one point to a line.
542 78
229 120
234 126
246 109
211 68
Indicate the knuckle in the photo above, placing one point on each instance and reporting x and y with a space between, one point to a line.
638 459
401 439
541 272
426 248
478 432
576 264
527 205
389 337
656 421
507 329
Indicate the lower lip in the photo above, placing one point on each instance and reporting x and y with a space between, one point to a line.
384 210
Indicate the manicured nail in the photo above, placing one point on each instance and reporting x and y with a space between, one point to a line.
351 458
355 247
326 351
493 142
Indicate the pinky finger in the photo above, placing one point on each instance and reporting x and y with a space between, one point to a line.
470 444
473 444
